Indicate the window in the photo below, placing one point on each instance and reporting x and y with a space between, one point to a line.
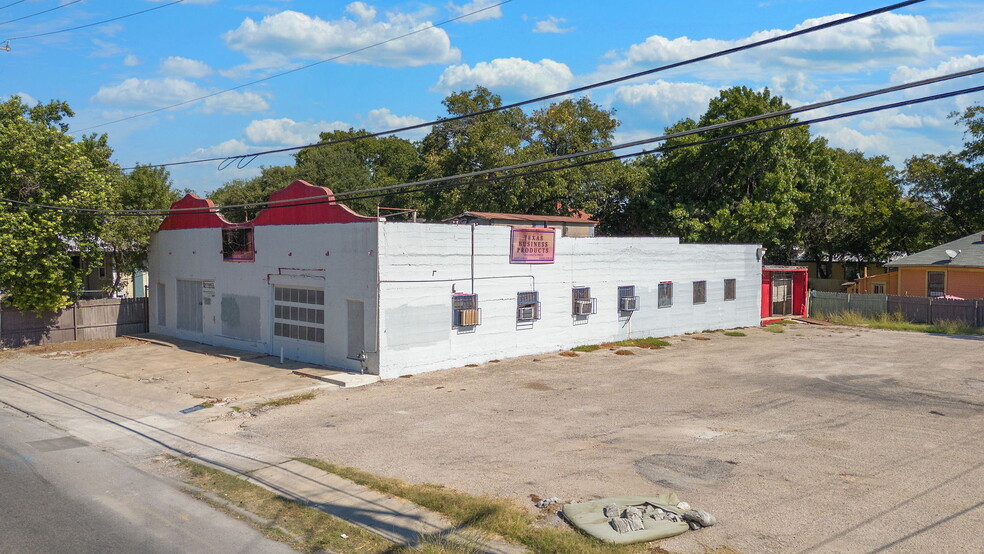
464 310
936 284
730 289
582 305
299 313
878 288
237 245
700 292
627 300
527 307
665 294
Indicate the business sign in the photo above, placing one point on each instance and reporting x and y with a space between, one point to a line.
531 245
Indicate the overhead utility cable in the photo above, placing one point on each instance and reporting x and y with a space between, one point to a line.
97 22
39 13
383 191
786 36
296 69
12 4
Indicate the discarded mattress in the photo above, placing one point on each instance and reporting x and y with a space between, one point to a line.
591 518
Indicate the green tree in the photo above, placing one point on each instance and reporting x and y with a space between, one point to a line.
41 164
128 237
950 187
361 164
749 189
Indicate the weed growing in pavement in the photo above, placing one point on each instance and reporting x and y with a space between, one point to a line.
894 322
648 342
775 328
569 354
498 516
586 348
81 347
287 400
734 334
624 352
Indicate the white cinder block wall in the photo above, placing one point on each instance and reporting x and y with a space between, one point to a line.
414 269
421 266
338 258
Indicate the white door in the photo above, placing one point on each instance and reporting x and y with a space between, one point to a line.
189 298
299 323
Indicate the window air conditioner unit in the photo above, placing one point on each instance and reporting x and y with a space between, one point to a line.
468 318
526 313
628 303
584 307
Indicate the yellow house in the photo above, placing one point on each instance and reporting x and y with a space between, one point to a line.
952 269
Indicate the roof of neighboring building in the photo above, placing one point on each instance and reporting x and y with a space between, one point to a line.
580 219
970 248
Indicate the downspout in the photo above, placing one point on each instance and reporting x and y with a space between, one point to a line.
473 258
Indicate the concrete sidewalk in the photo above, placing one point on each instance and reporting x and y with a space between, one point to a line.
138 421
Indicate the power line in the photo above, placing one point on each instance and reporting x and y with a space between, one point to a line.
444 182
96 23
295 70
251 156
12 4
39 13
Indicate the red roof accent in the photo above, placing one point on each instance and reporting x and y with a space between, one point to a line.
314 205
207 217
581 217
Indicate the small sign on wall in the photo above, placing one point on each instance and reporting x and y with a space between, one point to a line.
531 245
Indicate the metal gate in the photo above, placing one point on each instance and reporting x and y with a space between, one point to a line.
782 293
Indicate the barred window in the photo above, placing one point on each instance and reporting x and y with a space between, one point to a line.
464 310
627 299
527 306
700 292
666 294
730 289
237 245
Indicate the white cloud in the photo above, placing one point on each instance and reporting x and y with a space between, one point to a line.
288 132
671 101
105 49
524 76
905 74
850 47
475 5
159 93
230 147
293 35
25 98
131 60
382 118
176 66
551 25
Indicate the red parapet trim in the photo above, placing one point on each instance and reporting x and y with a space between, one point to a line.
207 217
308 209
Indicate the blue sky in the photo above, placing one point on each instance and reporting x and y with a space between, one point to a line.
523 49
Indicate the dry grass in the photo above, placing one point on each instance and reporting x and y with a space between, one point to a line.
498 516
313 530
569 354
586 348
624 352
775 328
734 334
702 338
895 322
78 347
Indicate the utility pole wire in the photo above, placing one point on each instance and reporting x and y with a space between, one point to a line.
12 4
295 70
713 55
386 190
96 23
39 13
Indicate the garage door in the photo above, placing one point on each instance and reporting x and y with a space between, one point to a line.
299 323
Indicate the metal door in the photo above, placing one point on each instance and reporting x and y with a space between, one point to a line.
782 293
356 329
190 305
299 323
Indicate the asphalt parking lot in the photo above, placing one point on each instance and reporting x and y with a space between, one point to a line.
817 439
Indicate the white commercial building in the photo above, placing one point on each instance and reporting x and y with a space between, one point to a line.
318 283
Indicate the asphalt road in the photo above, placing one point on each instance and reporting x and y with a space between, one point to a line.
58 494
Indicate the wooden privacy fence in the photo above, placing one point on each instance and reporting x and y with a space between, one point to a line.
912 308
84 320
